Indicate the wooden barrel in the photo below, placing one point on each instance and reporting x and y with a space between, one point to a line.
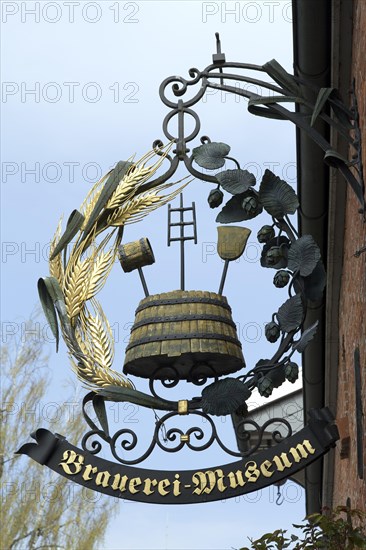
183 329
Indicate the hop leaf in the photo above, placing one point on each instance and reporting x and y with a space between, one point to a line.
224 397
211 155
277 197
233 210
306 337
314 284
290 314
236 181
303 255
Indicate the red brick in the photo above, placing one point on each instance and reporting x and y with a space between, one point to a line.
352 312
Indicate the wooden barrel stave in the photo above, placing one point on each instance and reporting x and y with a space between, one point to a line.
220 354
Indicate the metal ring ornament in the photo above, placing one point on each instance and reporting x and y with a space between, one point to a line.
181 112
179 86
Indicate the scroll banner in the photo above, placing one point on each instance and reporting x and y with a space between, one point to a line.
187 486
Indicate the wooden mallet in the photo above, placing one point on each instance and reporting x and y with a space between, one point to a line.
136 255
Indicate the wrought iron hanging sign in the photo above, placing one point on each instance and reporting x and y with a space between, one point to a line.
188 486
184 335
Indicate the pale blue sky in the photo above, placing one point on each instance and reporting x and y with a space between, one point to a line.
96 101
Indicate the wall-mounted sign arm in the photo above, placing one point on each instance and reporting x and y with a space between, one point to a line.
287 89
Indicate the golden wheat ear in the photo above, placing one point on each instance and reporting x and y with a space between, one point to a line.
79 271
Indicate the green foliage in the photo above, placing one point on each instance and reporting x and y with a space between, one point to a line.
39 508
224 396
306 337
303 256
281 76
339 529
235 181
74 223
323 96
290 314
211 155
237 209
314 284
277 197
115 177
51 296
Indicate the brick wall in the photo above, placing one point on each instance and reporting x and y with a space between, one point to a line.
352 312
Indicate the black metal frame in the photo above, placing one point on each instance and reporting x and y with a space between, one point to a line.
345 120
288 88
127 439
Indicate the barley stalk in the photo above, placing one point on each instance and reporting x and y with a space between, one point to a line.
136 206
91 199
140 206
127 186
99 336
137 175
90 371
100 270
101 378
89 337
55 265
76 285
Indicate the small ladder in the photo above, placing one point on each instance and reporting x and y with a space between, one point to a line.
182 238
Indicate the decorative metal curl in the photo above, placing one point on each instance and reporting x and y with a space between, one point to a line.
214 77
194 437
94 447
129 446
180 85
200 372
286 90
169 377
245 435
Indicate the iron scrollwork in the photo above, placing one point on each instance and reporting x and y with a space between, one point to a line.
288 89
172 440
296 261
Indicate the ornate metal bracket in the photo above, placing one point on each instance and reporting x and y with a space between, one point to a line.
172 440
288 89
297 262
